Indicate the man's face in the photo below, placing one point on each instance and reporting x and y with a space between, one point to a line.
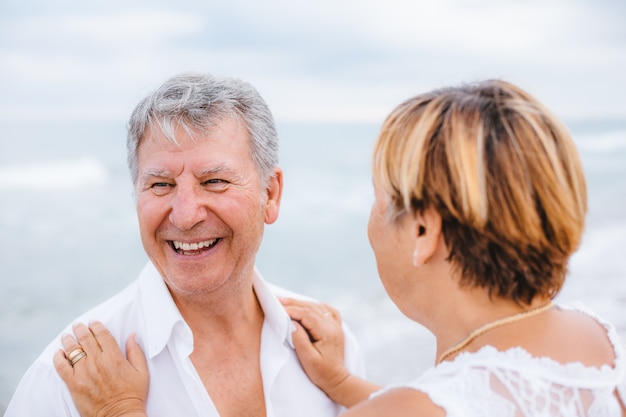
202 207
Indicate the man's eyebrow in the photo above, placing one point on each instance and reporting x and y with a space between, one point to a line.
215 170
220 169
160 173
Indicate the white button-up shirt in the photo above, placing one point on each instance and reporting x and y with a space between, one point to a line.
146 308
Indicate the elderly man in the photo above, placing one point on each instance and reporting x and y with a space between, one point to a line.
203 155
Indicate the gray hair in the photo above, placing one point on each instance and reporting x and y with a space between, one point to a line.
197 102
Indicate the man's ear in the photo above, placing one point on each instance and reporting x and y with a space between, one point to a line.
274 192
427 229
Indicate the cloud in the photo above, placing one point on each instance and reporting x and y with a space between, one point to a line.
67 47
102 29
326 60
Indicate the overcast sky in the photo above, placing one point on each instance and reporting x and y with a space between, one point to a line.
322 60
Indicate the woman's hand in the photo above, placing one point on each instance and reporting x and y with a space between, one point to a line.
103 383
319 343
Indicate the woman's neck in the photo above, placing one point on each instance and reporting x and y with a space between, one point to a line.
469 310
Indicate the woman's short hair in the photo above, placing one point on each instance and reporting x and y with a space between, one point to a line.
503 173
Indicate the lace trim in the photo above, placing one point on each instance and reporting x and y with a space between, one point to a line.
449 380
437 382
552 370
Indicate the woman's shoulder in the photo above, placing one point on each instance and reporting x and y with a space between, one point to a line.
570 343
586 311
568 333
588 336
468 379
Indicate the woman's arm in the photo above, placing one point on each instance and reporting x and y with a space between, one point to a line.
103 383
319 343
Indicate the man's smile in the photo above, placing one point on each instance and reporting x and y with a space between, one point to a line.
185 248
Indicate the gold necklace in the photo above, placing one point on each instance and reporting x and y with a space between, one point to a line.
496 323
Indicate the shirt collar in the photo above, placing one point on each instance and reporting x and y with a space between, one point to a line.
163 320
161 316
276 318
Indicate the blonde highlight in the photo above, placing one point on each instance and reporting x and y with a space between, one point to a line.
503 173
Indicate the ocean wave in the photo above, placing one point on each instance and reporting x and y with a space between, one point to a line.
54 175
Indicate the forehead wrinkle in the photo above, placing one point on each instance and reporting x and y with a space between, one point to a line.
218 170
155 172
215 170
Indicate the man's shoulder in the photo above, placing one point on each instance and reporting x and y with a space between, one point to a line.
42 381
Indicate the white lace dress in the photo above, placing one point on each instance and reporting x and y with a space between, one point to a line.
489 383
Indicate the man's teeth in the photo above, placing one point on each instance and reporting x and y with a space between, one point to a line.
193 246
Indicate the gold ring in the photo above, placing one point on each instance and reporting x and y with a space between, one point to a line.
78 357
74 353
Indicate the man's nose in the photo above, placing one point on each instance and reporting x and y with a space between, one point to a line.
187 208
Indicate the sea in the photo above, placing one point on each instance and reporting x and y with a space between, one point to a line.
69 237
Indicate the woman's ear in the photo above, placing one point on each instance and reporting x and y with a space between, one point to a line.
427 229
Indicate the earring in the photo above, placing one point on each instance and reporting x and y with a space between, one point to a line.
415 258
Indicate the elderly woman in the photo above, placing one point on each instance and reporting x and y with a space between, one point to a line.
480 202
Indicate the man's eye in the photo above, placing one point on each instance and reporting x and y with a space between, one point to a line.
215 184
215 181
161 188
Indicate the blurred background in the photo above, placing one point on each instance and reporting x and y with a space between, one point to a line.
72 71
